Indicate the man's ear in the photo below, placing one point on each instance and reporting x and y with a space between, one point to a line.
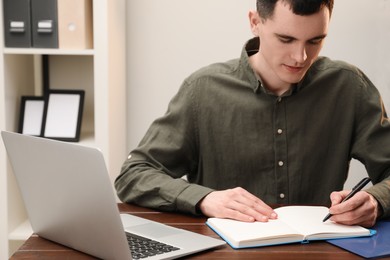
254 20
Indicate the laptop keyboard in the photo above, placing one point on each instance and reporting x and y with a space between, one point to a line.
142 247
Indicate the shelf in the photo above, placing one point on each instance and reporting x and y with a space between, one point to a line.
100 71
38 51
22 232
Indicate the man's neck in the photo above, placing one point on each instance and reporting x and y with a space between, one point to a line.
272 84
278 91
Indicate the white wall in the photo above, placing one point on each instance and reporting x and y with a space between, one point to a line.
169 39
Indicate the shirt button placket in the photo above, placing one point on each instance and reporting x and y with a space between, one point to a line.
281 172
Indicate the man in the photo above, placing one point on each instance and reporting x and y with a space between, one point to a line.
278 125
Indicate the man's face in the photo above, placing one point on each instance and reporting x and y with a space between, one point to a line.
289 44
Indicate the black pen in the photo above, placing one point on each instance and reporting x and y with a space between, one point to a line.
355 189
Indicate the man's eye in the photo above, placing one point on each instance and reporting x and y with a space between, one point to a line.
285 40
316 41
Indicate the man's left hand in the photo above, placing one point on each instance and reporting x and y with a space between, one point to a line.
362 209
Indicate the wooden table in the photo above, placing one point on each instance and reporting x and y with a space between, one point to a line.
39 248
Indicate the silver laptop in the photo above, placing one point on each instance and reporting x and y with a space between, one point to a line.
70 200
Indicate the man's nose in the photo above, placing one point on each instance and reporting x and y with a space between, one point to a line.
299 54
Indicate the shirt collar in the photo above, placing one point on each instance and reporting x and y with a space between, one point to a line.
251 47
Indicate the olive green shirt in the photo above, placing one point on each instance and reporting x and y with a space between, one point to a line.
223 129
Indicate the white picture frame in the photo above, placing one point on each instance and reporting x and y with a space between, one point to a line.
31 115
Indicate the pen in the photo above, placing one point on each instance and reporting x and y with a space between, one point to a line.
355 189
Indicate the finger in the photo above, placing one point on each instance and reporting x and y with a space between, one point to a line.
346 218
236 210
238 215
354 218
258 203
349 205
250 211
256 207
237 204
337 197
265 210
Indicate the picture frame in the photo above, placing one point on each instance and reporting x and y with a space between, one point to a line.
63 115
31 115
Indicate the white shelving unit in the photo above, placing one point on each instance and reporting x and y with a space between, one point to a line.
99 71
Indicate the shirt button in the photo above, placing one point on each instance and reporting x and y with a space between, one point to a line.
129 157
281 195
279 99
280 131
280 163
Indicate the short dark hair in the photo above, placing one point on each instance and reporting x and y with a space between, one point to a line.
266 8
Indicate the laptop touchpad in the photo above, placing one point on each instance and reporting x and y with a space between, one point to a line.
153 230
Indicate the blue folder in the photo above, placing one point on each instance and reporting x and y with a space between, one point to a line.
368 247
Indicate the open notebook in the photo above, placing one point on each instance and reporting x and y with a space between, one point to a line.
70 200
294 224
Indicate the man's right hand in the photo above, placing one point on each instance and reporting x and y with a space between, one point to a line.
236 204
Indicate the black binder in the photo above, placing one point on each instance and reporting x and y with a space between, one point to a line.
17 23
44 23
